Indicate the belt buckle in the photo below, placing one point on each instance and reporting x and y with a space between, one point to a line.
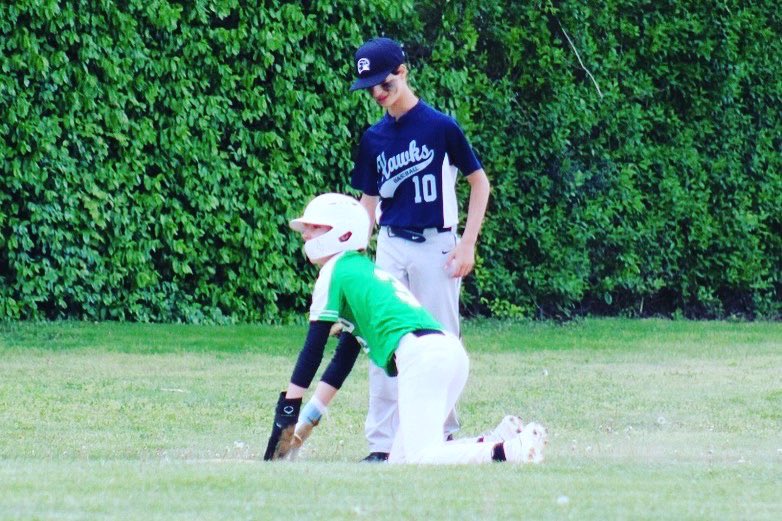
406 234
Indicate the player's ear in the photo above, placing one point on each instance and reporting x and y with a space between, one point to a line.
346 236
401 71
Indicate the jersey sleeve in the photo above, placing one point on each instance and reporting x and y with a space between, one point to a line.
325 298
459 149
364 175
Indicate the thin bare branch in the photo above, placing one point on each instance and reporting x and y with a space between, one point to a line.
579 58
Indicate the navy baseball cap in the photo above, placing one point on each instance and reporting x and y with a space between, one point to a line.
375 60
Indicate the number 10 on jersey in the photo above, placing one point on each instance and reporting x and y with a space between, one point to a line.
426 185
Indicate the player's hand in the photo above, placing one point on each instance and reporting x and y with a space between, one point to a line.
310 417
286 415
336 329
300 435
461 260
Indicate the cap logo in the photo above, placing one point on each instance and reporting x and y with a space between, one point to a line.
362 65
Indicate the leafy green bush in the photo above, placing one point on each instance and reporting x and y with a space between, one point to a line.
152 152
634 151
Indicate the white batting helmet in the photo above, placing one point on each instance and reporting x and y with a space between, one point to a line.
344 214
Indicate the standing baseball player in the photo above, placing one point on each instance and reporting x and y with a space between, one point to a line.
402 339
408 163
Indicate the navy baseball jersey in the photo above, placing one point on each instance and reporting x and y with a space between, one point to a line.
412 164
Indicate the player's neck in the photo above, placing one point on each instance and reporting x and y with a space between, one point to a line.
323 260
405 102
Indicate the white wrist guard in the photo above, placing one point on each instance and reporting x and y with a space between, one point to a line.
313 411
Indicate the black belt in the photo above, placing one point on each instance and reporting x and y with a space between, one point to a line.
392 370
414 234
424 332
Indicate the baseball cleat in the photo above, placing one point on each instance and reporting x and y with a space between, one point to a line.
508 428
376 457
528 445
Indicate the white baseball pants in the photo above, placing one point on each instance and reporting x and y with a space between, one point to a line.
420 267
432 373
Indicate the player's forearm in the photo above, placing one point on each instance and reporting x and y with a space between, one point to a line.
325 393
369 202
476 210
294 391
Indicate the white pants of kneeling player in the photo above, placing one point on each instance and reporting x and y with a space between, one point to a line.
432 373
420 267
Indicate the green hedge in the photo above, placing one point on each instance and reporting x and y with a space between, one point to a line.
153 151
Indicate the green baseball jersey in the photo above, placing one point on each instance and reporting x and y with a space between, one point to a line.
374 306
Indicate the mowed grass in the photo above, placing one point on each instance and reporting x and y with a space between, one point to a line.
648 419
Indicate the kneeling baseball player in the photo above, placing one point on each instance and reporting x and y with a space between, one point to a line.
379 314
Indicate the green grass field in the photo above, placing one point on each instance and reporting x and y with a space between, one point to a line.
647 419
